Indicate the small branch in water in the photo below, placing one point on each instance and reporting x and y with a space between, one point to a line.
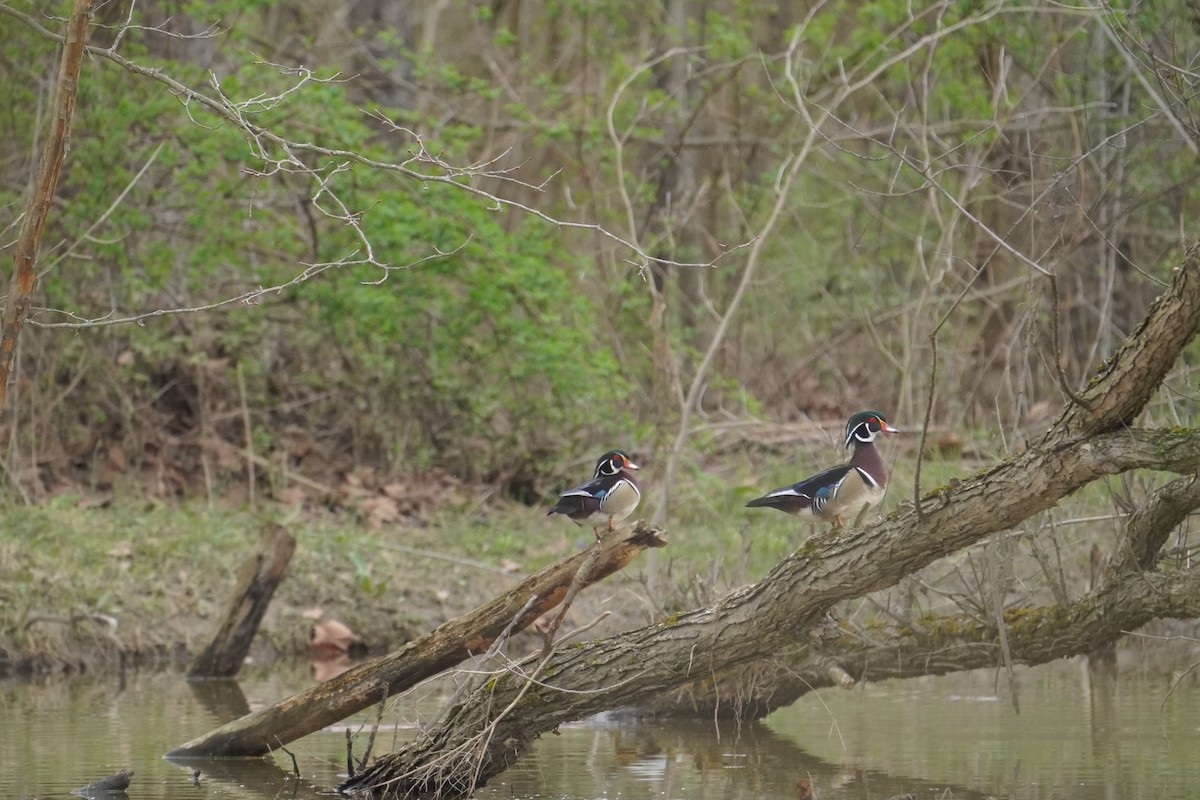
295 766
374 728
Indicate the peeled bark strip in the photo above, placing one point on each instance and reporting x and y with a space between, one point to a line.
1085 443
256 586
258 733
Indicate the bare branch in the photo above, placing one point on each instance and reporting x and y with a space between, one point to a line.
280 154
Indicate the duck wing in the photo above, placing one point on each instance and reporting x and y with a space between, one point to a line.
815 490
582 501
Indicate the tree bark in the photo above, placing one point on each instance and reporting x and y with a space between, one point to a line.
1036 635
1130 597
1088 441
259 578
54 152
262 731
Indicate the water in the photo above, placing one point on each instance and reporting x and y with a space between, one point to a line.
1082 733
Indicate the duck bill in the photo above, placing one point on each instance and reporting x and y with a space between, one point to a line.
888 428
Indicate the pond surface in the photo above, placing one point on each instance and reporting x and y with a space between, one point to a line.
1129 730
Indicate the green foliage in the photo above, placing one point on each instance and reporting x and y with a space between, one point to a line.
488 348
501 347
484 361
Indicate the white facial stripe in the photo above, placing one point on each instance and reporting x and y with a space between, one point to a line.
862 432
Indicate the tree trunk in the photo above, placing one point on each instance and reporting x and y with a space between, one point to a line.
1130 597
262 731
256 586
481 735
54 152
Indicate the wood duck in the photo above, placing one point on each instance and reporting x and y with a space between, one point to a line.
846 489
609 497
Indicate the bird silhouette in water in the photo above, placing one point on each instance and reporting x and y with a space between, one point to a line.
847 489
609 497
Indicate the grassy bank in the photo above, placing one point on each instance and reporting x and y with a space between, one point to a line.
88 587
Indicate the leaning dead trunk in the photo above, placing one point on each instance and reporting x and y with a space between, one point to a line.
275 726
486 732
256 585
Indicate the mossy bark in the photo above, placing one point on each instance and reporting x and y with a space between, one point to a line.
1036 635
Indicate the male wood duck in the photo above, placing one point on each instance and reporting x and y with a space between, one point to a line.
609 497
847 489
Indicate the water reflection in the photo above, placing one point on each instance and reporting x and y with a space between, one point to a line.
223 699
689 760
1108 729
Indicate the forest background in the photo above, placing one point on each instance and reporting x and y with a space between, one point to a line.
518 234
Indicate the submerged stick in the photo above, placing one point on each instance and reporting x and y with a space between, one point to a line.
117 782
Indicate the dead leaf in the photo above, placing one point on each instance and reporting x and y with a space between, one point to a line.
332 635
380 511
116 457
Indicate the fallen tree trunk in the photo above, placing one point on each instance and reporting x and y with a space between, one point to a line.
484 733
256 585
1130 597
1036 635
264 730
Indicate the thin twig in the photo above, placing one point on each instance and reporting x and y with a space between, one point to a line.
932 388
478 678
375 728
248 432
577 583
295 766
1058 366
